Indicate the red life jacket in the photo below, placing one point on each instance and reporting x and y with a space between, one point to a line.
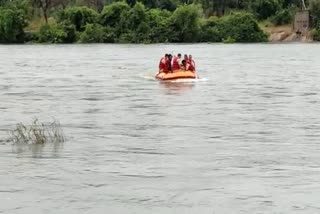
168 64
175 64
192 65
163 64
187 65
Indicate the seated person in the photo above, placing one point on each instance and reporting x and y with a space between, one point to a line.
176 63
192 64
163 64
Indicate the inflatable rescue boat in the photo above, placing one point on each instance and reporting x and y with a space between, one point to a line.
180 74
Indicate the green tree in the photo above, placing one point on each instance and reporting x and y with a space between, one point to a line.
79 17
169 5
185 24
315 12
216 7
137 23
210 31
111 14
47 5
265 8
150 3
12 23
159 22
131 3
281 17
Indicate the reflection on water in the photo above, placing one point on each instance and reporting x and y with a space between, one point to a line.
245 139
38 150
176 87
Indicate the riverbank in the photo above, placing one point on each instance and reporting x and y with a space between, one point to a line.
284 33
275 34
120 22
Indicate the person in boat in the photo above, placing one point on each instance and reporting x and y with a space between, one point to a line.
191 64
176 63
185 62
163 64
169 67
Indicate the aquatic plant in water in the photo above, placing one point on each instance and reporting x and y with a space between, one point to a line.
37 133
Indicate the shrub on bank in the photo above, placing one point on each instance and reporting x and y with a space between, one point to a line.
315 33
241 27
210 31
71 32
236 27
12 22
51 33
93 33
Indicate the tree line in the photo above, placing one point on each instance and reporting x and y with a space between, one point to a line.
145 21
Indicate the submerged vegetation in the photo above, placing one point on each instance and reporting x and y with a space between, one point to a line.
37 133
145 21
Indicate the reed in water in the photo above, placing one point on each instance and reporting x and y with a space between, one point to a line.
37 133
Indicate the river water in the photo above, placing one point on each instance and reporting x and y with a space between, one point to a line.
242 139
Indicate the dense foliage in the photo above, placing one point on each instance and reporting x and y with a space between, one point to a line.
284 16
120 23
315 11
145 21
13 20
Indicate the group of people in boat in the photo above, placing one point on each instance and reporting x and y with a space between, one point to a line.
169 64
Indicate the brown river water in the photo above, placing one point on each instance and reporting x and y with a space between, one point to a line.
245 138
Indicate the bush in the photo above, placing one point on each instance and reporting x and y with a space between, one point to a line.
241 27
209 30
127 37
236 27
109 35
315 33
93 33
282 17
12 23
79 17
228 40
71 33
51 33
